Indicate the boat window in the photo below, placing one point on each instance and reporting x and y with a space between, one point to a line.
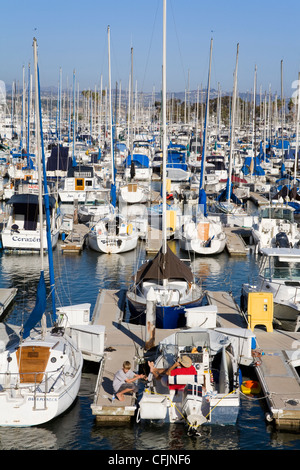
284 270
192 339
279 213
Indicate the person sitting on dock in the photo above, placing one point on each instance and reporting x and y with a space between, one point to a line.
124 381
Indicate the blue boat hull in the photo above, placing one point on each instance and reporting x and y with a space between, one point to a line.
167 317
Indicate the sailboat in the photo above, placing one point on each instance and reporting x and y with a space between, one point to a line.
167 278
113 234
40 371
227 203
202 234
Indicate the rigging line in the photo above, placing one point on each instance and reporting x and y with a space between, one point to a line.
150 46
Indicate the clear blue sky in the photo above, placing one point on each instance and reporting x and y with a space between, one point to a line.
73 35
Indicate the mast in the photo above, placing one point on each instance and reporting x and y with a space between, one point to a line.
297 131
42 166
113 187
28 112
281 74
38 155
232 126
73 120
110 110
164 129
206 121
253 115
131 105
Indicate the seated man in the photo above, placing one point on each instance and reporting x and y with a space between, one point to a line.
181 367
124 381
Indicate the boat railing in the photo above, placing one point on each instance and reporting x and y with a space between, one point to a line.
37 383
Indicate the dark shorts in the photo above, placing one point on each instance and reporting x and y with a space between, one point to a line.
132 387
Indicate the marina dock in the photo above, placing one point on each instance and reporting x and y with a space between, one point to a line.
120 346
6 298
153 240
278 378
75 240
124 341
274 350
234 242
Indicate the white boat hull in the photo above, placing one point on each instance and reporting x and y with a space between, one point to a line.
25 240
112 244
39 379
27 409
215 247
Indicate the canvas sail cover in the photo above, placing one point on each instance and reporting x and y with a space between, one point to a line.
59 159
39 309
164 266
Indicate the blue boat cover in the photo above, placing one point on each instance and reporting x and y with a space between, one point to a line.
257 170
140 160
39 309
202 201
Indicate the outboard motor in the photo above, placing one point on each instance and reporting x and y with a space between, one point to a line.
282 240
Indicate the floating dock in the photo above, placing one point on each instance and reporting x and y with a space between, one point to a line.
234 242
153 240
120 346
124 342
75 240
272 358
258 199
6 298
275 351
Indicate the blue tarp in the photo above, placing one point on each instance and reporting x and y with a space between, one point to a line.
175 157
177 146
39 309
139 160
257 169
286 144
296 206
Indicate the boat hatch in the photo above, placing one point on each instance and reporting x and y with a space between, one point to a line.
32 361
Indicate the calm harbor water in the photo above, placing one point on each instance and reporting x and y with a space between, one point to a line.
78 280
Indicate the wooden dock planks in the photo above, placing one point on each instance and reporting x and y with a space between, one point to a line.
279 380
75 240
120 346
234 243
229 315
